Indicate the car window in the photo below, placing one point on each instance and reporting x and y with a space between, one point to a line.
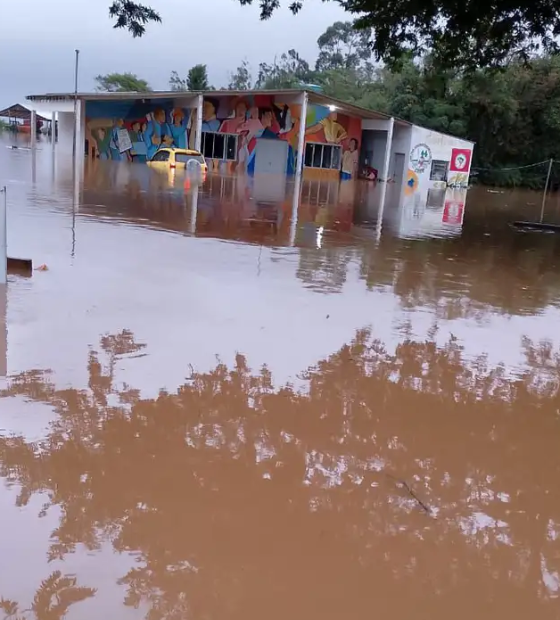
161 156
184 158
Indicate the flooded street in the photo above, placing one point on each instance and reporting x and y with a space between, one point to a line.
221 402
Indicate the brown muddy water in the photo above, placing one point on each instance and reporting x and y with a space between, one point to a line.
212 410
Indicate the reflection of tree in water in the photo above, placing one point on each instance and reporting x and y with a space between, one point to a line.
54 597
463 277
239 497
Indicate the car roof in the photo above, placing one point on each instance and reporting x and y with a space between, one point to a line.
174 149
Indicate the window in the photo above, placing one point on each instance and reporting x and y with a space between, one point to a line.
439 170
435 198
184 158
318 155
219 145
161 156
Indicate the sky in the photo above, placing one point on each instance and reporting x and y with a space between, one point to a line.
37 44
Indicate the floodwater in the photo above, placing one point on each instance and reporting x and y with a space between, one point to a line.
221 406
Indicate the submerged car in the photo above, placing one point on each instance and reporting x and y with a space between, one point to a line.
169 158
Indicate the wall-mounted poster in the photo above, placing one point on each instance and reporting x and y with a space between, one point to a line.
460 160
453 212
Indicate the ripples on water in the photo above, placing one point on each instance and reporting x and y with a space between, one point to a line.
212 412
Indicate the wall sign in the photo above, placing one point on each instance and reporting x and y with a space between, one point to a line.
453 212
460 160
420 158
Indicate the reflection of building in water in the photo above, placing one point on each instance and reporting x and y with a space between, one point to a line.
3 332
433 213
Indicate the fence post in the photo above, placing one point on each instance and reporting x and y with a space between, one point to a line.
546 188
3 237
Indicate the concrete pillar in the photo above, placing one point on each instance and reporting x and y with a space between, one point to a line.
3 237
53 131
301 135
199 111
388 148
33 129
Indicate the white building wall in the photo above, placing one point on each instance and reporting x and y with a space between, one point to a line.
438 147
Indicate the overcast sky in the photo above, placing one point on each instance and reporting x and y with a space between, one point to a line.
38 39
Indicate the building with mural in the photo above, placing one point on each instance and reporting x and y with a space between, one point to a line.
275 132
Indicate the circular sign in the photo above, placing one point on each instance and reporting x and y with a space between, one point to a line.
460 161
420 158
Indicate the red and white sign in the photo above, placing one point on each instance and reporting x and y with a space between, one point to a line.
453 212
460 160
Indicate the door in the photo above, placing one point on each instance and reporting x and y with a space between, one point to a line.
398 169
271 156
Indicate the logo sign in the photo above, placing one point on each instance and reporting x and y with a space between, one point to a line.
453 212
460 160
420 158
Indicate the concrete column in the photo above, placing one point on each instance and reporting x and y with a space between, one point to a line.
3 237
301 135
53 130
199 111
384 178
388 147
33 129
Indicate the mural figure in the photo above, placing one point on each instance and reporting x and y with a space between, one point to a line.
231 125
350 160
114 140
158 133
178 129
333 131
210 121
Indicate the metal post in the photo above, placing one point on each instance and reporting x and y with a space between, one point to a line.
3 236
198 135
301 135
546 189
74 137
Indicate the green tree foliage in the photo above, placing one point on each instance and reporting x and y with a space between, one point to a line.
474 34
121 82
197 78
241 79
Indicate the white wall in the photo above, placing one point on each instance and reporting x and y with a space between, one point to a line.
65 130
440 147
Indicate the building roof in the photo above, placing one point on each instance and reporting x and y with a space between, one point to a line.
314 97
20 112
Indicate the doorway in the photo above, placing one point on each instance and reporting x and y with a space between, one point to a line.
271 156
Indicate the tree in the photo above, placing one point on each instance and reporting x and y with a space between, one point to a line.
176 82
197 78
241 78
289 72
459 33
121 82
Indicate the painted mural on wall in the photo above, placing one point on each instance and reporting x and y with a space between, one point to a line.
135 130
254 117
